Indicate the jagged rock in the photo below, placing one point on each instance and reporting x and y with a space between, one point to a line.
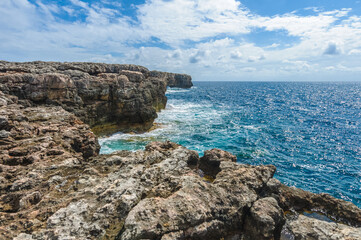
305 228
33 133
4 134
337 209
54 185
36 143
210 162
151 194
196 207
28 200
156 186
108 97
265 221
174 79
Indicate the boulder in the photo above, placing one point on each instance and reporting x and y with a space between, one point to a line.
210 162
304 228
336 209
265 220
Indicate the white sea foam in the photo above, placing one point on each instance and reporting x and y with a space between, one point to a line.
176 90
251 127
179 119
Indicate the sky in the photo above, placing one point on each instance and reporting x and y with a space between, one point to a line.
212 40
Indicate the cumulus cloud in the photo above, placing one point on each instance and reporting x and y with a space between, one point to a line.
331 49
236 55
175 54
192 35
297 66
179 20
354 52
256 58
249 69
196 57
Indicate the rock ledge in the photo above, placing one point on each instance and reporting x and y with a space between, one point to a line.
108 97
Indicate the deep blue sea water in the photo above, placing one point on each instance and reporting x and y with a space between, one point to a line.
310 131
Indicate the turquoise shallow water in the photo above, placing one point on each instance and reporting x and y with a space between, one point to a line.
309 131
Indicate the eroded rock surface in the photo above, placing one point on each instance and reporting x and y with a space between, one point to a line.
339 210
265 220
309 228
108 97
211 161
157 193
174 79
54 185
38 146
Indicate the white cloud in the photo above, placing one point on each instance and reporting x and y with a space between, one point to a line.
248 69
175 54
332 49
297 66
236 54
105 58
80 4
68 10
354 52
17 15
273 45
179 20
206 38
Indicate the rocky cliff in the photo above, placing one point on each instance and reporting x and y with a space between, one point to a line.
108 97
54 185
174 79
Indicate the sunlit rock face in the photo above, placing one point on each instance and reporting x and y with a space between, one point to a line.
55 185
158 193
108 97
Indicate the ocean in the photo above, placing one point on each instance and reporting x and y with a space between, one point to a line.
310 131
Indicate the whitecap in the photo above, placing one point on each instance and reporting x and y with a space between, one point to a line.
176 90
251 127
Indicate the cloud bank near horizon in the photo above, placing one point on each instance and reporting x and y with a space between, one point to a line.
209 39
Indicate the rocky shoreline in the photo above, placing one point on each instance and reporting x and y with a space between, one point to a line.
108 97
55 185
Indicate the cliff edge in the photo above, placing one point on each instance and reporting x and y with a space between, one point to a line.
108 97
55 185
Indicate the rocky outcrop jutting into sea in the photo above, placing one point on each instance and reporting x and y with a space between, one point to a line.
108 97
55 185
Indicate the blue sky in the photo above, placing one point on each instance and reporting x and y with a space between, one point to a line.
247 40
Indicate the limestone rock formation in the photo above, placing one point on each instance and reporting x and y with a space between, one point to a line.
35 144
313 229
298 199
108 97
265 221
55 185
152 194
211 161
174 79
